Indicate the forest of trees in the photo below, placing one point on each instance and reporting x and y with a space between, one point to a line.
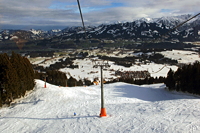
147 80
59 78
185 79
16 77
53 77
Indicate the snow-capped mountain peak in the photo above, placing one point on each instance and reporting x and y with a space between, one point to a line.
36 32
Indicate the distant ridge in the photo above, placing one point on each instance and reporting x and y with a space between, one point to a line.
145 28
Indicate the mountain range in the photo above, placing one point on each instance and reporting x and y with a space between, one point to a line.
144 28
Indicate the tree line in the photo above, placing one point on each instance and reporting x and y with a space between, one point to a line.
185 79
16 77
139 81
59 78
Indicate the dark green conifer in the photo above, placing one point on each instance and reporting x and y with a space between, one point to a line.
80 83
10 78
170 83
72 82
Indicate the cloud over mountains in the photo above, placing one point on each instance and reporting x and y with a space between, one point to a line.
62 13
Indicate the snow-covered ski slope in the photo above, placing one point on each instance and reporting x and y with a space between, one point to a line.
130 109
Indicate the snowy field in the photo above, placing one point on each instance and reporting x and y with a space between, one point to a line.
130 109
86 69
182 56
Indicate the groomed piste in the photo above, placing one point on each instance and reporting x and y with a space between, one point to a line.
130 108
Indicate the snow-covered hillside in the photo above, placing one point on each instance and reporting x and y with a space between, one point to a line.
182 56
130 108
86 70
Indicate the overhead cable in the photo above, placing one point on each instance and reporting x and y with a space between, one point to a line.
81 17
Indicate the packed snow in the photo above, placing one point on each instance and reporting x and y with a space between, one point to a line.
182 56
130 108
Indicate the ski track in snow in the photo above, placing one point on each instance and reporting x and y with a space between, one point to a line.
130 108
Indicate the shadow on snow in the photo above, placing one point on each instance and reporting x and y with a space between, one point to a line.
151 93
57 118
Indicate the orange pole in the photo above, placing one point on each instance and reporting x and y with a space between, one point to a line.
45 80
103 112
45 86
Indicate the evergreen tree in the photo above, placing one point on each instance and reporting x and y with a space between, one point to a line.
187 79
87 82
150 80
10 78
30 74
56 77
2 80
71 82
197 78
170 83
16 77
177 78
161 79
20 67
80 83
184 78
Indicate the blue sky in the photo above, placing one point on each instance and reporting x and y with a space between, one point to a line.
46 14
99 8
85 9
60 5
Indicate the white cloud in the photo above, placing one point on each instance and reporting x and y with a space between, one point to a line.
65 13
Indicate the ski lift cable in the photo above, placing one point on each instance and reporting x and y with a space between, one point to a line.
161 36
159 70
174 28
184 22
79 6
